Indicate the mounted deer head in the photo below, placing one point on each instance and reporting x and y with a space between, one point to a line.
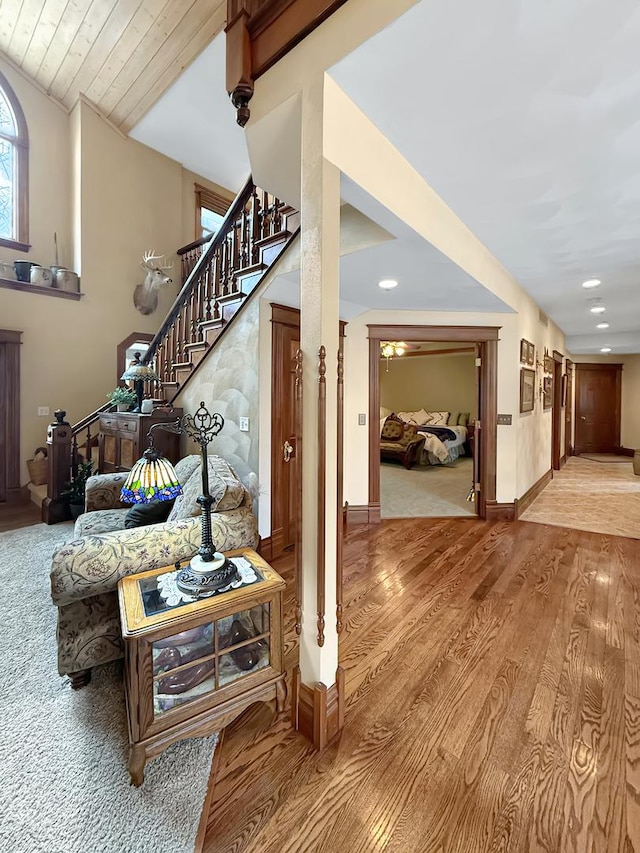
145 296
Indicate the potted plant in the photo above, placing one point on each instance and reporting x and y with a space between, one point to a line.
74 490
122 398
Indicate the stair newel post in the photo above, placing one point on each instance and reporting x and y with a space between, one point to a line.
59 459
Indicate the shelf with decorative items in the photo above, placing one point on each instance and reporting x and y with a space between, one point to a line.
26 287
194 663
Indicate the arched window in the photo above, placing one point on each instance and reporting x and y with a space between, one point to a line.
14 166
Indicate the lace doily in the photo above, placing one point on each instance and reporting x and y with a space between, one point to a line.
169 591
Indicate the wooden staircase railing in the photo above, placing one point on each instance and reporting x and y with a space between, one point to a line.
254 232
221 272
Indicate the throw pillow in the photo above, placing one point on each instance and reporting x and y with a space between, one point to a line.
225 488
438 418
421 417
393 429
453 418
152 513
186 466
463 418
407 417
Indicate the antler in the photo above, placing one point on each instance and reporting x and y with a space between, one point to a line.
150 256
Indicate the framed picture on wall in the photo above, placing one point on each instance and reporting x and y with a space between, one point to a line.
524 351
547 389
531 354
548 364
527 389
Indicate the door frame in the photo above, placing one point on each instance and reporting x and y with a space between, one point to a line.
568 409
10 490
556 412
584 367
487 339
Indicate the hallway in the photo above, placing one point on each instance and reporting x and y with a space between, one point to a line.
602 497
492 703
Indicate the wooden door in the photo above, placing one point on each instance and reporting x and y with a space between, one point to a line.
598 393
10 453
284 459
567 402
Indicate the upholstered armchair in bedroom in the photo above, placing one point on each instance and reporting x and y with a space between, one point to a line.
85 571
400 441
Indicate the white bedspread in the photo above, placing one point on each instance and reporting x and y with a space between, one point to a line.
440 449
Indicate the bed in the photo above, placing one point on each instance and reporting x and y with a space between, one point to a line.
445 433
443 444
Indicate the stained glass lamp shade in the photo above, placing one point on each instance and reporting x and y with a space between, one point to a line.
139 373
152 478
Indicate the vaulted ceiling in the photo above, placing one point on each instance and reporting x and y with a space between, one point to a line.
120 54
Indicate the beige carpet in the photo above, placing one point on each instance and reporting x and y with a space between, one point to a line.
591 496
426 491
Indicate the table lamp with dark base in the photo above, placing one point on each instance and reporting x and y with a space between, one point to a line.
153 478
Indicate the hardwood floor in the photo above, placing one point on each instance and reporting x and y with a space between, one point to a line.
493 703
15 515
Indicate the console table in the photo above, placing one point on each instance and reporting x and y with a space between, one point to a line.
193 665
123 439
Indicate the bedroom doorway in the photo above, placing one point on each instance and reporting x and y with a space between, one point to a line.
436 456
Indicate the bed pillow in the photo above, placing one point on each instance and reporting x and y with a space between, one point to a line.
453 418
438 418
407 417
392 429
421 417
462 419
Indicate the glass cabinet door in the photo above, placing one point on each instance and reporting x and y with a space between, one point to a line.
190 664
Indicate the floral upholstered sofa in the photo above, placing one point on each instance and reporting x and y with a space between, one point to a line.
85 571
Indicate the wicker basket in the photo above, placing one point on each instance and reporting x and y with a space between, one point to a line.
37 471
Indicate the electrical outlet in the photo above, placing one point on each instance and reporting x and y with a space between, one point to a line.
362 419
244 424
43 411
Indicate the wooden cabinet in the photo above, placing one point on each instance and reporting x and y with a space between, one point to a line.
123 439
192 666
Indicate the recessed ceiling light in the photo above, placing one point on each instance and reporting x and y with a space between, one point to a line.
602 326
591 282
387 283
605 349
598 309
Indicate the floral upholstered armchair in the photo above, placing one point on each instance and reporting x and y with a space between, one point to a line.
85 571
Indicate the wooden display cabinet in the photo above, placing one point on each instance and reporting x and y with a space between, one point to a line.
191 667
123 439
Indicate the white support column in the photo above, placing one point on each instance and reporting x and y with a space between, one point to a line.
319 327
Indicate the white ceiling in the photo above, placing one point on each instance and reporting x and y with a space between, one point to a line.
194 123
523 115
524 120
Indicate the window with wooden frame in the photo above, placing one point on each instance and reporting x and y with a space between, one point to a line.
211 208
14 171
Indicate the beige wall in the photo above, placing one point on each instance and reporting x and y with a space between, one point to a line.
189 203
630 413
437 383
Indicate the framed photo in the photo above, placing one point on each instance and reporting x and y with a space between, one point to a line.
548 364
565 385
524 351
531 354
527 389
547 388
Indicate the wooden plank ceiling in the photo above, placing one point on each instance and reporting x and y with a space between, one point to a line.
121 54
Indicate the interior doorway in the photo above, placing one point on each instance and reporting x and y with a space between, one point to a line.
10 453
484 433
556 414
429 395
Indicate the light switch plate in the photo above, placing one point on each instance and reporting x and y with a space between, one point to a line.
43 411
244 424
362 419
505 420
